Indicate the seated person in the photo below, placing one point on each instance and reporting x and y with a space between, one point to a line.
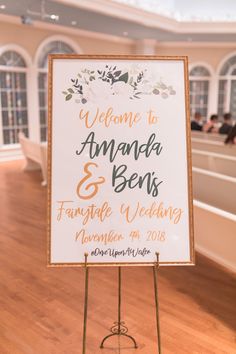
231 138
196 122
227 124
211 125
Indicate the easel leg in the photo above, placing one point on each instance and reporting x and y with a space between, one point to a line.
155 270
85 302
119 328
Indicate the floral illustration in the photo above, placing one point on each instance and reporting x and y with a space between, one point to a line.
133 84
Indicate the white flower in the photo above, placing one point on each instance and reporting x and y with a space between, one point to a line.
120 88
97 90
135 69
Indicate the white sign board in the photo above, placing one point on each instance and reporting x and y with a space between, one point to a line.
119 161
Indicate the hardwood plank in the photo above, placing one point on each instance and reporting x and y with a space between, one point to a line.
41 309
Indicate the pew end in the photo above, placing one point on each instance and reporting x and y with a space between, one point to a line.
35 156
215 234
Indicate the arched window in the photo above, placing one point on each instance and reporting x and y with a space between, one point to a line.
13 96
227 88
199 90
54 47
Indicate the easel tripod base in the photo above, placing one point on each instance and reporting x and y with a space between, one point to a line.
119 329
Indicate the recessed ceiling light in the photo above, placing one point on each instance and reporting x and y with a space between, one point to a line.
54 17
125 34
2 7
74 23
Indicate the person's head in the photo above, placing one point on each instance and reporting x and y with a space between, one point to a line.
231 136
214 118
197 116
227 117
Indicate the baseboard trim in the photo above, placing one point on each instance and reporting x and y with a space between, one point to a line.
11 153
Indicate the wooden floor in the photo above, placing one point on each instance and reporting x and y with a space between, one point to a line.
41 309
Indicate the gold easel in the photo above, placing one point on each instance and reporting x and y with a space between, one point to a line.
119 328
155 277
85 301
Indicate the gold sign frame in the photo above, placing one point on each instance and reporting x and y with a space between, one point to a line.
184 59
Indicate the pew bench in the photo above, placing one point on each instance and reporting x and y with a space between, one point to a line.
213 146
208 136
214 162
215 234
35 156
215 189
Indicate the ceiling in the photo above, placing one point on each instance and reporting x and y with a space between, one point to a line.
185 10
115 18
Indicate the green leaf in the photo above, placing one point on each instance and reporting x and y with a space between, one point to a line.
117 73
70 90
124 77
64 92
68 97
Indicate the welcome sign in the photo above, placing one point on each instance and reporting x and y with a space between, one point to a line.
119 161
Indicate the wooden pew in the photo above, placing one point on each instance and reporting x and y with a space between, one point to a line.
215 189
215 234
206 136
213 146
35 156
211 161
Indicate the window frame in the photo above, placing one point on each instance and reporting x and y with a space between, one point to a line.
209 79
41 49
5 68
228 78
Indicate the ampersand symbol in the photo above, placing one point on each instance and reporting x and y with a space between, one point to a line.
92 185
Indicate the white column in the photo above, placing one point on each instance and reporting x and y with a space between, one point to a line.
213 96
33 104
146 47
